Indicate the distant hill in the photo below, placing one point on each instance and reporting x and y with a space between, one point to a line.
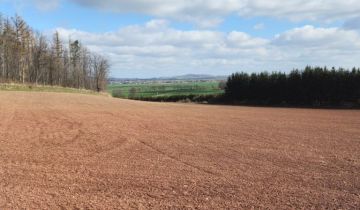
197 77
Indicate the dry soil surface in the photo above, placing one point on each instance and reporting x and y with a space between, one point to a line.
94 152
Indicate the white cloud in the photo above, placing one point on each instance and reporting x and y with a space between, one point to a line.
324 38
319 46
211 12
156 49
241 39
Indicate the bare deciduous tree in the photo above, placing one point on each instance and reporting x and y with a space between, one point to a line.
27 57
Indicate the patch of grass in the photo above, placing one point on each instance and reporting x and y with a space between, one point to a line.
43 88
165 91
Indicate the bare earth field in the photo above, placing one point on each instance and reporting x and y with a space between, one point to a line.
82 151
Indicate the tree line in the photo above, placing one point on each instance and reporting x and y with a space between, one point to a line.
313 86
27 56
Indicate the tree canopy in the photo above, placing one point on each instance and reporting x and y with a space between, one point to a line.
311 86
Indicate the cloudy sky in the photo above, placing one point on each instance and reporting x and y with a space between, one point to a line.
150 38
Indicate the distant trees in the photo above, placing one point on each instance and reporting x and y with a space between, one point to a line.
311 86
28 57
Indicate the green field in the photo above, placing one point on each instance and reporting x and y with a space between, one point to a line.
158 90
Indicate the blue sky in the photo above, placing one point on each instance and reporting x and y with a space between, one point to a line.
175 37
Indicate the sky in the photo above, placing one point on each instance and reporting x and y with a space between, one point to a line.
154 38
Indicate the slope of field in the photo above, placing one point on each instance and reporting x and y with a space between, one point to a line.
60 150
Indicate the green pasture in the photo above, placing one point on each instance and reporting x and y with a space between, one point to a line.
137 90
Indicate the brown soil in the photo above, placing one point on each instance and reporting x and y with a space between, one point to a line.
81 151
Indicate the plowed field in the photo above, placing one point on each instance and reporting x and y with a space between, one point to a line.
81 151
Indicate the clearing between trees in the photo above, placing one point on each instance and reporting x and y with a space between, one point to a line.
61 150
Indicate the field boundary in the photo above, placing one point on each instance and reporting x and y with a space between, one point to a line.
46 88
